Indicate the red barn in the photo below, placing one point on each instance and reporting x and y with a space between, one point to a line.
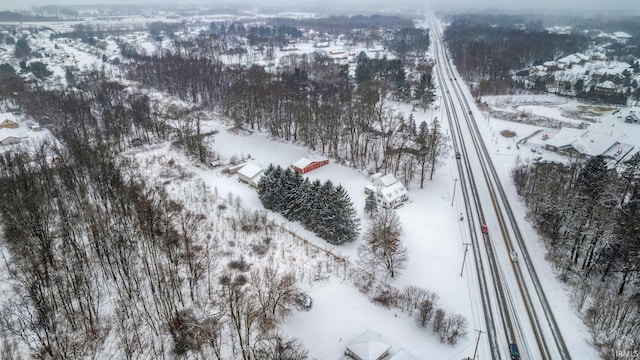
304 165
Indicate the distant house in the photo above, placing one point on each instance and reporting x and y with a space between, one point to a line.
304 165
389 192
608 87
632 118
9 140
8 121
368 346
581 142
34 126
250 174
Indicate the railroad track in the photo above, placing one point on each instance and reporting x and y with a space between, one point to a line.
506 222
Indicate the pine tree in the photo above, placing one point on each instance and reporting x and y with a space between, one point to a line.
370 206
346 222
264 187
291 192
324 211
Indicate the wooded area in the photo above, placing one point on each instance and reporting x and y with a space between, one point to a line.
587 213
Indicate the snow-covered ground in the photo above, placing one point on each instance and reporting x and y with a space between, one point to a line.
433 233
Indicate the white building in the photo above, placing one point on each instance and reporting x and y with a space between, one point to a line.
368 346
251 174
389 192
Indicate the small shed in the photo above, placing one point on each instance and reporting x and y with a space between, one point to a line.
250 174
34 126
304 165
8 121
368 346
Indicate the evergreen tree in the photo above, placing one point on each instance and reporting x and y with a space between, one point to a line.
370 206
300 208
624 253
308 212
269 187
363 68
323 211
7 70
22 49
291 192
595 179
346 223
40 70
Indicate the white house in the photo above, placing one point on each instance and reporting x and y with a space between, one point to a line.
389 192
251 174
368 346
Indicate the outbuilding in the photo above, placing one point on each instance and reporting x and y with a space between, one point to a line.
9 140
8 121
304 165
251 174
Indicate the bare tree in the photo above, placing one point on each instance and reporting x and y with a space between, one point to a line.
426 307
277 347
383 249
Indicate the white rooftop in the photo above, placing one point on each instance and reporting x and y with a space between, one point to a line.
368 346
7 115
250 170
393 192
584 141
304 162
402 355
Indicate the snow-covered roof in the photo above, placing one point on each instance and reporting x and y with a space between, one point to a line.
584 141
368 346
7 116
393 192
621 35
573 58
304 162
402 355
380 180
388 180
607 85
16 133
250 170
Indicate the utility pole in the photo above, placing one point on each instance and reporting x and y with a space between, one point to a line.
464 257
455 181
477 342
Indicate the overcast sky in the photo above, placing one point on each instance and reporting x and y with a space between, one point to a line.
629 7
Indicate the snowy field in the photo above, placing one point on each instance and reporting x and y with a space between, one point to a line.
433 232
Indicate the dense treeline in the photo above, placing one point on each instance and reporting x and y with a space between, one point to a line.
311 101
345 24
102 264
483 51
322 208
587 213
